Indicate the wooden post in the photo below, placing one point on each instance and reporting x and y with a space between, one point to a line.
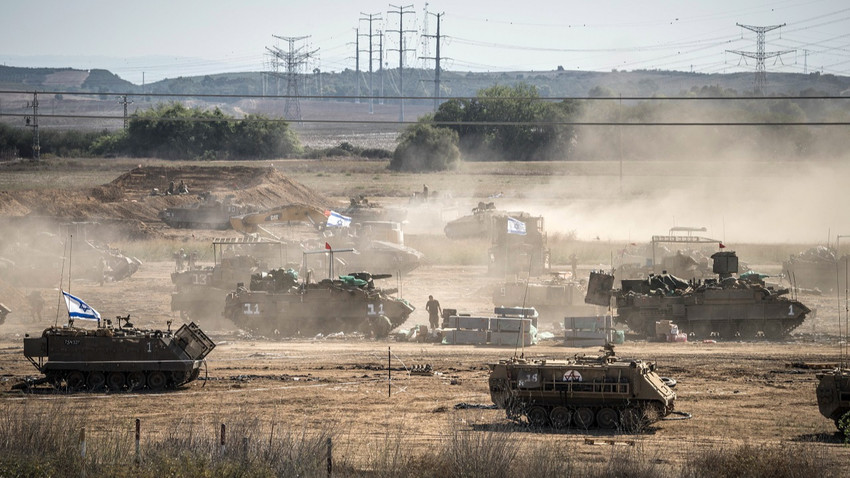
138 440
244 448
330 456
389 373
223 439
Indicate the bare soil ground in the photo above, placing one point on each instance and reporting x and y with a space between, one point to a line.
737 392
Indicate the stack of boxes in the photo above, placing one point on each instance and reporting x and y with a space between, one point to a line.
667 331
501 330
587 331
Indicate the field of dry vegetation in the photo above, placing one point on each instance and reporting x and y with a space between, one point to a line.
285 402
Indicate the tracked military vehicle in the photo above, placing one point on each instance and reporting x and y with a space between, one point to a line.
208 213
276 303
554 298
582 392
118 358
833 393
726 307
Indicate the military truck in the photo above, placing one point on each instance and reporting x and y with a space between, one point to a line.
816 268
118 358
726 307
583 392
518 251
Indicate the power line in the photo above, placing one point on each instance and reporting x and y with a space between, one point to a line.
294 59
437 68
370 17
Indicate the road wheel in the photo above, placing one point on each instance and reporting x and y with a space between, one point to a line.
135 381
561 417
607 418
75 380
584 417
538 417
156 380
115 381
728 330
749 329
95 381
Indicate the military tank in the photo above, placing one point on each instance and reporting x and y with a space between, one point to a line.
554 297
200 292
583 392
726 307
833 392
276 303
477 224
118 358
816 268
208 213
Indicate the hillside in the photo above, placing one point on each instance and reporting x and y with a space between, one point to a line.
552 83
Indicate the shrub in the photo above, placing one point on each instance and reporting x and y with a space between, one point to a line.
423 147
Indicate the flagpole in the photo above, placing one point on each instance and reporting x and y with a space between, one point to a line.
70 258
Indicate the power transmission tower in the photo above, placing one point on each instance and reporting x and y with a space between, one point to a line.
437 58
125 103
295 60
760 55
370 17
33 123
425 46
402 11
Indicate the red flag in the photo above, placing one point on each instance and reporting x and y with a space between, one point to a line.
327 246
722 246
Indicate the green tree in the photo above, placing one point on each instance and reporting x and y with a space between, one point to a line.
509 123
423 147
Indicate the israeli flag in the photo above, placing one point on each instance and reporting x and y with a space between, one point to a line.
336 219
515 226
77 309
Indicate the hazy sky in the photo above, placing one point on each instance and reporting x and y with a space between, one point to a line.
169 38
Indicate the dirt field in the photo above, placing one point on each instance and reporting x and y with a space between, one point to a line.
737 392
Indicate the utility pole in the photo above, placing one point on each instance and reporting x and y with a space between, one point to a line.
370 17
125 103
437 68
425 47
402 11
357 62
33 123
295 60
760 55
381 64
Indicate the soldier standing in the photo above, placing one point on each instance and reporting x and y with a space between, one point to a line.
36 304
434 310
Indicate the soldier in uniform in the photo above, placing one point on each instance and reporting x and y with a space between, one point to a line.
36 303
434 311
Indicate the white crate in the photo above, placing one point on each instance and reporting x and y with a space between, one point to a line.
464 337
506 324
467 322
509 338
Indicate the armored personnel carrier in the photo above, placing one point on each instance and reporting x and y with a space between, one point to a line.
584 392
833 393
726 307
276 303
118 358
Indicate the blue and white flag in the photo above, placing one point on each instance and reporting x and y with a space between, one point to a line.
515 226
336 219
77 309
